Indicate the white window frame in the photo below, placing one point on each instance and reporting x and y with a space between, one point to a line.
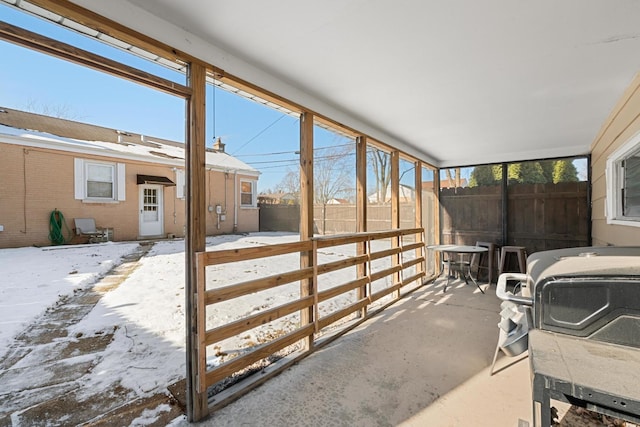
181 190
253 193
81 167
615 184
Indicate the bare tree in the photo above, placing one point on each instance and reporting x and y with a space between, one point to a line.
458 181
332 170
380 162
290 184
60 111
332 173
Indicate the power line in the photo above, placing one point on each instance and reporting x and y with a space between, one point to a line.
274 161
260 133
277 166
328 157
267 154
290 152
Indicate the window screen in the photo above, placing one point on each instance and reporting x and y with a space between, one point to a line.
100 181
246 193
631 189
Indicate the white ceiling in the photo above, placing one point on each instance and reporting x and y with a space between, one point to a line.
456 82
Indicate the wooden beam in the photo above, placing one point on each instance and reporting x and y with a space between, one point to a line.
421 268
197 405
243 254
505 204
200 327
361 212
30 40
361 184
262 351
109 27
395 190
215 335
437 215
395 212
343 312
340 289
127 35
306 215
226 293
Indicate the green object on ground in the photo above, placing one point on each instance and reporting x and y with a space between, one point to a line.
56 223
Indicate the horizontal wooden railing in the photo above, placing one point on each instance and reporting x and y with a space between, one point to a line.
403 258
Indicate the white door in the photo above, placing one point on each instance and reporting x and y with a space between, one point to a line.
151 212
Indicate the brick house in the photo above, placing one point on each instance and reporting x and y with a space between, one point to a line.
130 183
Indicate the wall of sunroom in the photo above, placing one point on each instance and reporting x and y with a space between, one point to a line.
614 187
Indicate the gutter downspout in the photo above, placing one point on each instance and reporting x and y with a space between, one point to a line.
235 201
226 178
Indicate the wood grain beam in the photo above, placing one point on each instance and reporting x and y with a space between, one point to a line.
109 27
197 405
39 43
361 212
420 252
306 214
395 213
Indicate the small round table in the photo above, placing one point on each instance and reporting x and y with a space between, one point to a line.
452 253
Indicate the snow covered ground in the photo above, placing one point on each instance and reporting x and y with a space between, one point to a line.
147 309
33 279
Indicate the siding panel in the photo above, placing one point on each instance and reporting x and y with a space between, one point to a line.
622 124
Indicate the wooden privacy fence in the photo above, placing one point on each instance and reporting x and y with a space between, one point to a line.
539 216
341 218
395 258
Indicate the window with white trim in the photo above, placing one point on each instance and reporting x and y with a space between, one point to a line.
247 193
623 184
99 181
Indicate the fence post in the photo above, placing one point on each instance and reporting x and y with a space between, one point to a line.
197 403
361 211
420 268
201 326
306 215
314 287
395 214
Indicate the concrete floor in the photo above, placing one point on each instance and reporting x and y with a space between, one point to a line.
422 362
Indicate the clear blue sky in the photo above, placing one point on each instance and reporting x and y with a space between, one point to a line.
34 81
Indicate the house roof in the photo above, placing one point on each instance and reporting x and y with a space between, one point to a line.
338 201
445 183
458 82
405 193
21 127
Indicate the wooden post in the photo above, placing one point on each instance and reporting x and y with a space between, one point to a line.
505 204
197 405
437 214
436 205
361 211
418 218
306 214
395 212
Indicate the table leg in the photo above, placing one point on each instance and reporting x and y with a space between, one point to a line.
472 279
448 262
451 267
495 356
